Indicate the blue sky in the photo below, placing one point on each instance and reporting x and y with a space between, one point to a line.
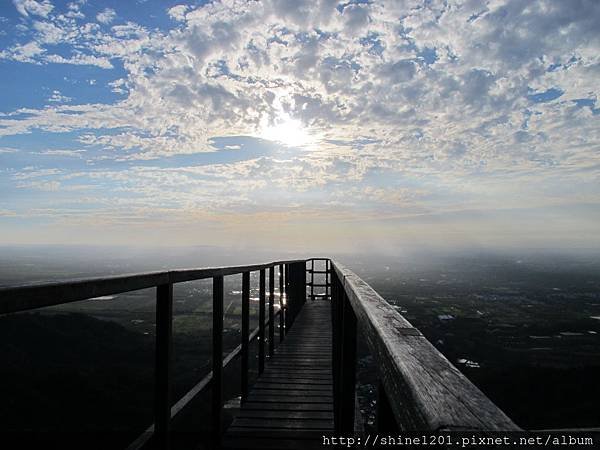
352 125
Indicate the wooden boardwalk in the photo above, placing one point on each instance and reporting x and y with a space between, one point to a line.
291 404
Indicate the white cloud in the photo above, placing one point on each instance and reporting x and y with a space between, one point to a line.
62 152
437 91
178 12
80 60
8 150
57 97
106 16
33 7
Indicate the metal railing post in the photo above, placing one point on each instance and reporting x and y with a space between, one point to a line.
163 364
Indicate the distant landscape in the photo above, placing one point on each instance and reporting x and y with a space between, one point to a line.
525 328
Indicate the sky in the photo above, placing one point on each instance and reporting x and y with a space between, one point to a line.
304 125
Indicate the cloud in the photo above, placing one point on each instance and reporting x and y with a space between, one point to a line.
62 152
178 12
446 102
57 97
106 16
32 7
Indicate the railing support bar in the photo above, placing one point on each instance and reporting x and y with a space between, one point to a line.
348 368
245 333
163 363
271 311
336 348
217 358
384 419
261 323
281 307
288 303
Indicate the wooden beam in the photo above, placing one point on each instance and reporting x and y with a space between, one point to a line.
426 392
26 297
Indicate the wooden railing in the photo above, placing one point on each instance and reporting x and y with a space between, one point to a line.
419 389
292 290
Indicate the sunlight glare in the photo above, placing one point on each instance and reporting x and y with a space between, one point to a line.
287 131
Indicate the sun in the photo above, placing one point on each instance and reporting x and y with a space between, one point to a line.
287 131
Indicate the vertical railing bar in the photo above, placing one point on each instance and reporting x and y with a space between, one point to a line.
261 322
281 308
271 311
163 364
384 418
312 279
348 367
217 358
335 351
288 313
245 333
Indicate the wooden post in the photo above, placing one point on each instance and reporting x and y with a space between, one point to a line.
348 369
335 350
297 290
271 311
217 357
162 365
281 307
384 419
288 315
261 323
312 279
245 333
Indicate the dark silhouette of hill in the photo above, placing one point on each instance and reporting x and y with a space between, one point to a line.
71 373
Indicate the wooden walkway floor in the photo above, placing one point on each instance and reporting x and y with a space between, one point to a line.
291 404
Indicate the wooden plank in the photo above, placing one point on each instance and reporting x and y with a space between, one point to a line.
287 406
268 414
275 434
261 384
426 392
298 381
258 390
293 397
252 442
271 398
283 422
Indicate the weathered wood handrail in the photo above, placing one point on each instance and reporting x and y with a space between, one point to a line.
420 390
32 296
